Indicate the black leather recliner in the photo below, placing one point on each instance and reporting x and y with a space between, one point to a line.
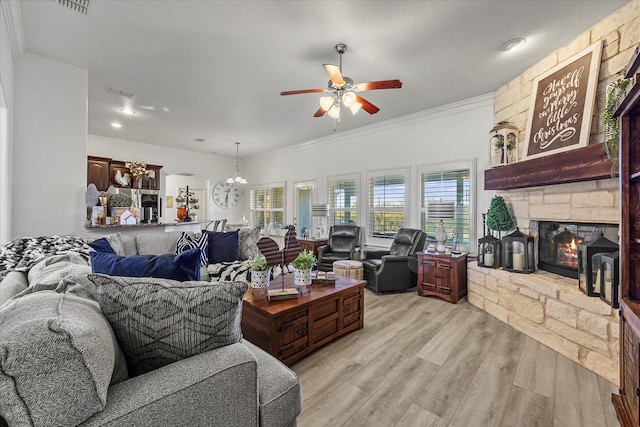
343 243
395 270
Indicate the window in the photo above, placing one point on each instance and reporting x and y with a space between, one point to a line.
446 195
267 206
342 194
386 204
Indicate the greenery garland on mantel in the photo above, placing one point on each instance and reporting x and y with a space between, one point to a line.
615 91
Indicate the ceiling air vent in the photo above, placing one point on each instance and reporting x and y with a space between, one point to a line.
118 91
77 5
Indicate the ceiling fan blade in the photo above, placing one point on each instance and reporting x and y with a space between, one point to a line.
297 92
319 113
334 74
366 105
382 84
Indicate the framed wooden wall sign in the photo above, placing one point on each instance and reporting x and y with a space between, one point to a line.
562 103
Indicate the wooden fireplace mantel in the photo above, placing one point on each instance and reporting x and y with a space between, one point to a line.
581 164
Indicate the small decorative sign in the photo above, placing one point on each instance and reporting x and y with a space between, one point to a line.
562 105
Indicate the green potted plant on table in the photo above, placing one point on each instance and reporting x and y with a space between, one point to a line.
260 272
302 265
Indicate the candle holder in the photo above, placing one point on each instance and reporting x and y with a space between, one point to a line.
489 252
610 278
518 253
590 263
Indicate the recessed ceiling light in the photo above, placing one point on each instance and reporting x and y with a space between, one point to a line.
128 111
513 44
116 125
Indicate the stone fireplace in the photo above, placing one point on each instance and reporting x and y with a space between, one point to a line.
548 306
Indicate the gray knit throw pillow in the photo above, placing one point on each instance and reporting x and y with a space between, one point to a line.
161 321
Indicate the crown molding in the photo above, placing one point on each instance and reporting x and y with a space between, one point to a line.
13 22
421 116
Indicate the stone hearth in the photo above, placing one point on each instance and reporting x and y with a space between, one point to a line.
551 309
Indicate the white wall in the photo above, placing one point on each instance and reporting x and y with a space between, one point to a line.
174 161
49 147
448 133
6 121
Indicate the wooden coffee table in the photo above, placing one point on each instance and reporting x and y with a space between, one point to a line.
290 329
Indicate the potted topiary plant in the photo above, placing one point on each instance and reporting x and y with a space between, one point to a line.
260 272
498 217
302 265
120 202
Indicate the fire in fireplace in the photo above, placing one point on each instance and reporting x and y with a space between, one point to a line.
558 244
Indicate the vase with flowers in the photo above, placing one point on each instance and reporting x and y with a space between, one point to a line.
138 170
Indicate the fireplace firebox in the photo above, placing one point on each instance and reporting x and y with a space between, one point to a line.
558 244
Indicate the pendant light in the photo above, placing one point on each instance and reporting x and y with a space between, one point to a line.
238 179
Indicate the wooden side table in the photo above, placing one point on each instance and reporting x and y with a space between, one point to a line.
312 245
442 275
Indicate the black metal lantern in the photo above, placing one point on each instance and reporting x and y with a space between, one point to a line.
489 252
590 263
518 254
610 278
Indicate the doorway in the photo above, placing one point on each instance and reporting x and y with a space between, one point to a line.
303 199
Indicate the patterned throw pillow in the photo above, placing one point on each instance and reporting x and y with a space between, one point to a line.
201 241
248 243
161 321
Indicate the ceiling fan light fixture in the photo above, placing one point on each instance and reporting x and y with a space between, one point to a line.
348 99
326 102
334 112
355 107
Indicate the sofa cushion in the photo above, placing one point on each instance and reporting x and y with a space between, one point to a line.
248 243
160 321
197 241
185 266
157 243
56 359
223 247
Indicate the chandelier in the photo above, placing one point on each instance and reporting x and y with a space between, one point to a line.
237 179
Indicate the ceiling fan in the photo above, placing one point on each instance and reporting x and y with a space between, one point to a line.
342 91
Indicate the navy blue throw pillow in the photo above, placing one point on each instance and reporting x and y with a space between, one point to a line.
183 267
223 247
102 245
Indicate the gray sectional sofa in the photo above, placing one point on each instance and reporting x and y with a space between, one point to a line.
64 360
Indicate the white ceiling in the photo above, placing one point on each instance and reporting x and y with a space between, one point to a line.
214 69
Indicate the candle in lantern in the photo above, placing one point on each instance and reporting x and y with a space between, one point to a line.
597 283
518 261
488 259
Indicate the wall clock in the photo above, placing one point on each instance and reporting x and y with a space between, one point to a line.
225 195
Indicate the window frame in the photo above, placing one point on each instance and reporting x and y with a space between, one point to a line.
332 209
253 210
446 166
368 210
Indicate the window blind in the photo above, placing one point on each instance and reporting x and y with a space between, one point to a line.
267 206
386 205
442 191
342 195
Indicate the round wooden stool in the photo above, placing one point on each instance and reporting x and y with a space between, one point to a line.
348 268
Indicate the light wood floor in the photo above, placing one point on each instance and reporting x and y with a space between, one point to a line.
424 362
